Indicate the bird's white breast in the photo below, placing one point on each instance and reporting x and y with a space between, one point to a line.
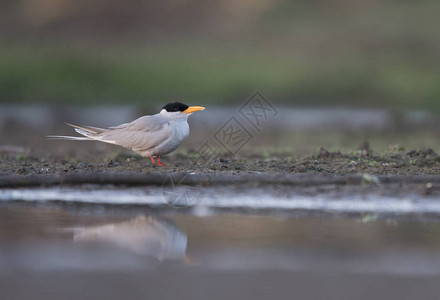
180 133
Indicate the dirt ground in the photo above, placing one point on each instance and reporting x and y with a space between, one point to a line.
414 162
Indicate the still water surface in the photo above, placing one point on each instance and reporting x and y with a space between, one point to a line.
67 248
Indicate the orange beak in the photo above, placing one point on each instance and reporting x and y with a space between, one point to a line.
192 109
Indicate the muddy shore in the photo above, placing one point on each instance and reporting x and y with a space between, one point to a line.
416 162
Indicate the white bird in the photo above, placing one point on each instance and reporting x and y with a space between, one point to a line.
151 136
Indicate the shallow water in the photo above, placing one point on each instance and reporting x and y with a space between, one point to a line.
132 243
393 199
54 239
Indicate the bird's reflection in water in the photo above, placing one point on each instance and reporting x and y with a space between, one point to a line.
144 235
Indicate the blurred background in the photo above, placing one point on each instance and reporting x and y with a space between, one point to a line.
340 72
351 53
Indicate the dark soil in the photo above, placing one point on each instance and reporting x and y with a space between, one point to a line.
415 162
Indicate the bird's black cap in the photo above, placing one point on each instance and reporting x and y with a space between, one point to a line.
175 106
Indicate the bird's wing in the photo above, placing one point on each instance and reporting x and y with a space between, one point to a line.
142 134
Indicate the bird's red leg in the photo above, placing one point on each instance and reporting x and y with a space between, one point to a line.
152 160
159 162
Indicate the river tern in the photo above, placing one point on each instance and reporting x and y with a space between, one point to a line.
151 136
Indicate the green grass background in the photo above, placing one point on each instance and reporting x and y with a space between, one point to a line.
297 52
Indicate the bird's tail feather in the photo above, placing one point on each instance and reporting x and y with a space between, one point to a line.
87 129
90 133
70 138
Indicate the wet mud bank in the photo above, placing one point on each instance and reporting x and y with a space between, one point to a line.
208 179
324 167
